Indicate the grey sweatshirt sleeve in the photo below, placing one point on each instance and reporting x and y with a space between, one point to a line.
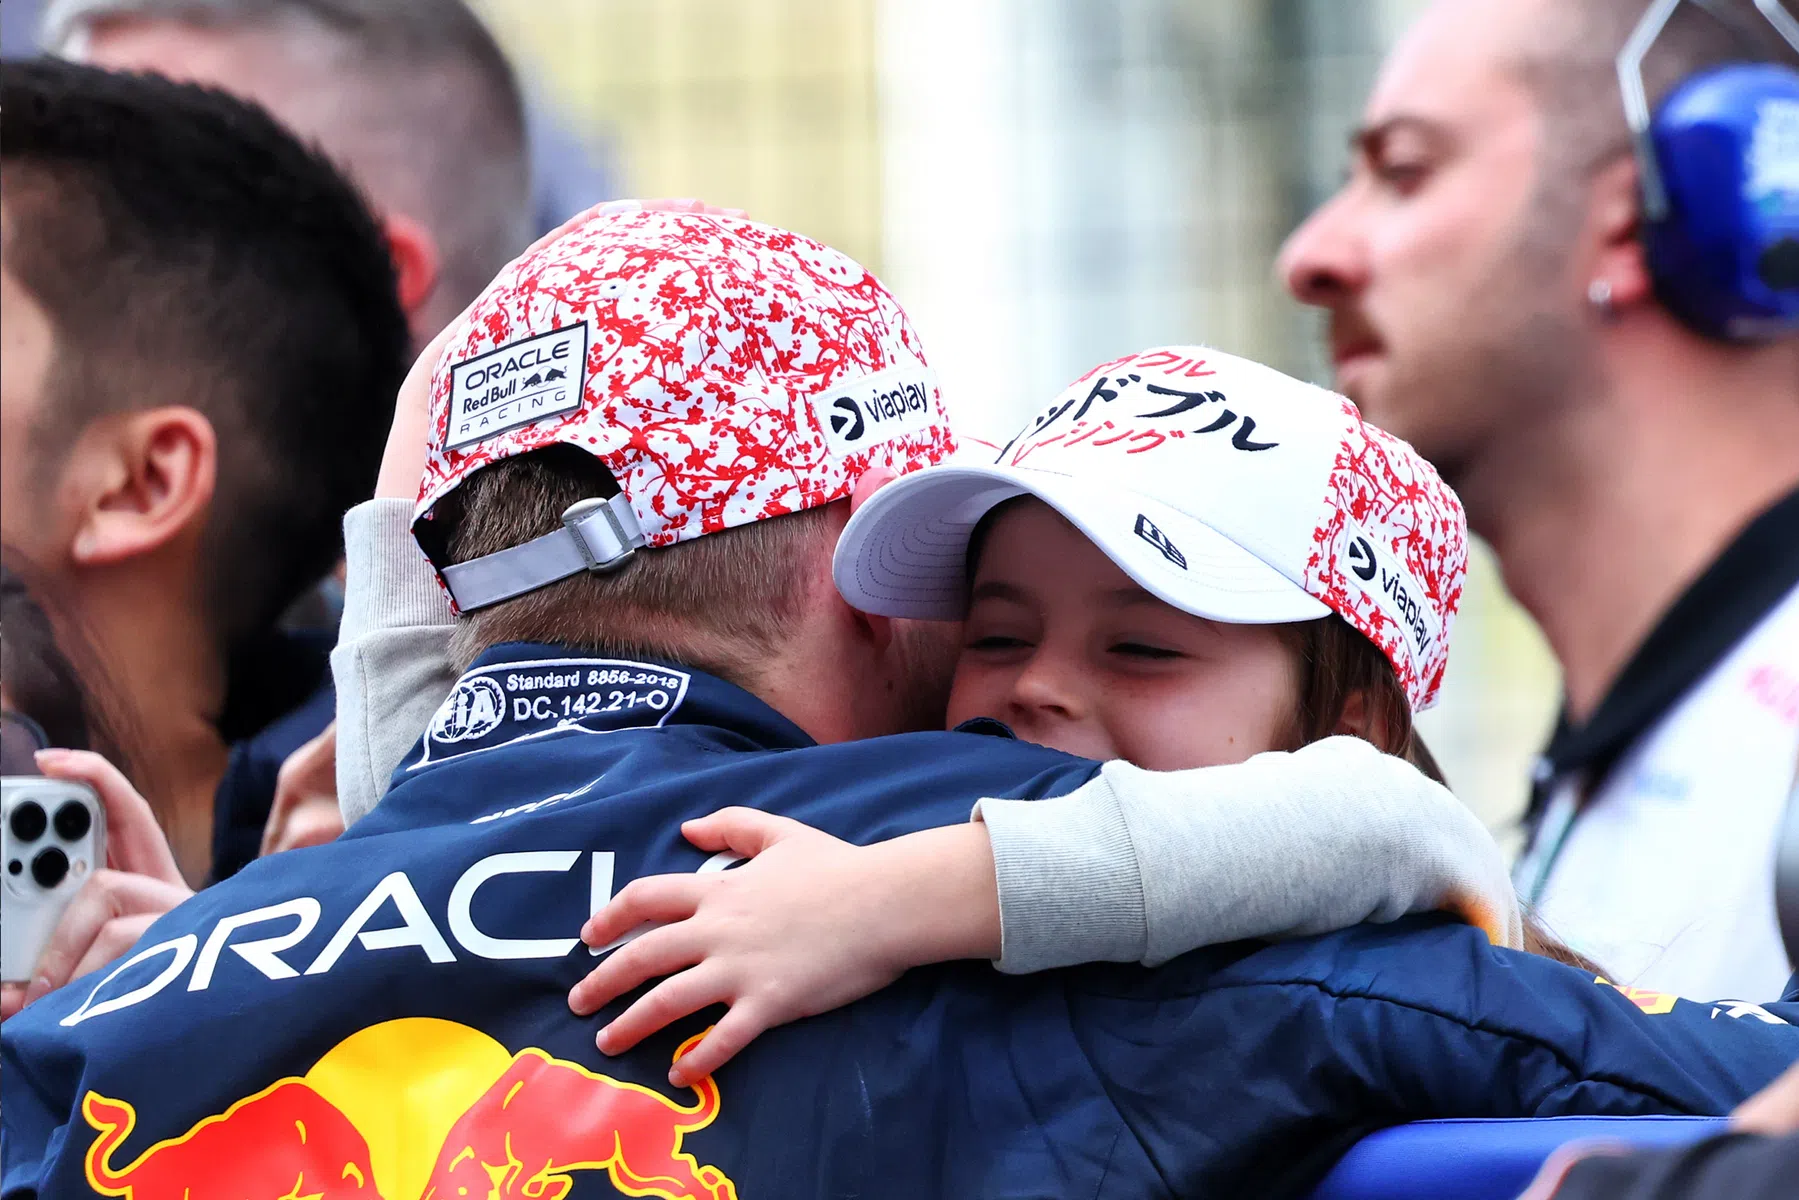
1143 866
392 661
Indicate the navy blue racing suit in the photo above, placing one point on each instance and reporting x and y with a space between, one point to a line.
387 1015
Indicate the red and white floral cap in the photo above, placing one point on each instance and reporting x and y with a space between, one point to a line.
722 370
1220 486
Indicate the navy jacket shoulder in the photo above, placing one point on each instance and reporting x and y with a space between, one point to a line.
1294 1051
399 998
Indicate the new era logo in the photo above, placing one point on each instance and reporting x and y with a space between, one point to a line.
1146 529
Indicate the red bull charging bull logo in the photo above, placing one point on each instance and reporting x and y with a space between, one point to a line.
420 1108
1653 1003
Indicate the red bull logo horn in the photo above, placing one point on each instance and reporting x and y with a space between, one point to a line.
1653 1003
420 1108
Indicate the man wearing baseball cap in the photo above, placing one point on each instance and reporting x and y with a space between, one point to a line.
640 434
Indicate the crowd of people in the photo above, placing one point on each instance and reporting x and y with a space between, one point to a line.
575 677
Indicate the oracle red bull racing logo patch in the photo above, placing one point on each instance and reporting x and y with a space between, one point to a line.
521 382
420 1107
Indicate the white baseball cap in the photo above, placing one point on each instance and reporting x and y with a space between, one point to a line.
1219 485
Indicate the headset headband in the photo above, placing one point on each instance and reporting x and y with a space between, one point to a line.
1636 98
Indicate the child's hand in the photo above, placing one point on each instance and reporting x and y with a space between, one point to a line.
810 924
784 936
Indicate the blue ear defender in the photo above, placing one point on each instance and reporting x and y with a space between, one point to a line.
1719 164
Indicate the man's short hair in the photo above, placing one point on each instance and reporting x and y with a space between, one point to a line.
187 250
424 109
1572 65
724 603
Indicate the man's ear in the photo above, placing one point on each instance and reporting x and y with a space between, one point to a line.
414 252
1614 217
147 478
870 629
871 481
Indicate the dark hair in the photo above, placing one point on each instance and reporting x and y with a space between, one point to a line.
52 675
723 603
188 250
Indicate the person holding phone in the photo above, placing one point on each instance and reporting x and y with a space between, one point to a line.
58 925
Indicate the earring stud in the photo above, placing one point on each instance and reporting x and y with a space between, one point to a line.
1599 295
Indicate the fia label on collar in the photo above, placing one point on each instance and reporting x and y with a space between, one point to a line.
504 703
517 384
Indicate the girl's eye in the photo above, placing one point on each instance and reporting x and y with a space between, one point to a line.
998 641
1144 650
1403 177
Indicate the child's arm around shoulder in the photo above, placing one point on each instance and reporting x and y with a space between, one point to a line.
1143 866
1131 866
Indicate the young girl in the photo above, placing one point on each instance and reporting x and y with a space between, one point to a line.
1186 560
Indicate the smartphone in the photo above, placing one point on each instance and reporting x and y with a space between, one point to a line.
52 838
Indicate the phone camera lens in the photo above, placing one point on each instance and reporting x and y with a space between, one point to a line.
49 867
72 821
14 867
28 821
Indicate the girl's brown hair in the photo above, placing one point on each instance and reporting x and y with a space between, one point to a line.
1337 664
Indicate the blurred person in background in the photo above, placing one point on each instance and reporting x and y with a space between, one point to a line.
51 677
417 103
413 99
202 342
62 719
1490 301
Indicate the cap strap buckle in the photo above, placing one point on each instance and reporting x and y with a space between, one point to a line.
596 535
605 531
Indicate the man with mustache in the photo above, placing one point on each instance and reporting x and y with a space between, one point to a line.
1490 301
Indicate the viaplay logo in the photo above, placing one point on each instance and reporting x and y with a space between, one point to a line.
877 408
1394 590
523 1124
847 421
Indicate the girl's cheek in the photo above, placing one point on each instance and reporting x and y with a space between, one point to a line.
1153 729
1196 724
974 692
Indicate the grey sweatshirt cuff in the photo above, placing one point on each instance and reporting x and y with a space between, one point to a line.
392 661
387 581
1040 848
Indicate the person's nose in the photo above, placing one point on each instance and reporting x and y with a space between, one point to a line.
1048 687
1324 261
